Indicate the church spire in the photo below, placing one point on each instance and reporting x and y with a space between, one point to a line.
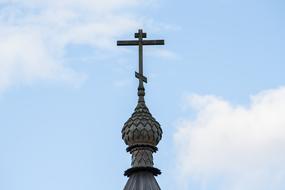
141 132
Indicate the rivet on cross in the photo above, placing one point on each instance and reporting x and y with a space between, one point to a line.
140 42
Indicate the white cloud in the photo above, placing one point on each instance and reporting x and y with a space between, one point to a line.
35 34
234 147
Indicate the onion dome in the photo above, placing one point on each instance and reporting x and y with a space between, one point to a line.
141 128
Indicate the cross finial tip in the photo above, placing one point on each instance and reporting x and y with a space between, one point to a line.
140 34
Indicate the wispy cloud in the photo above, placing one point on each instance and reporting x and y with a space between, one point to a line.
234 147
163 53
35 34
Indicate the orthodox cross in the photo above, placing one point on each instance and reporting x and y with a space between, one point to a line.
140 42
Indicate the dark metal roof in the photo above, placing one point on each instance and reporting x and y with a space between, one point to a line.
142 181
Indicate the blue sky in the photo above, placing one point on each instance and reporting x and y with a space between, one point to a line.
216 87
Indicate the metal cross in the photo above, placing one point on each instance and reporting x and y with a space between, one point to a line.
140 42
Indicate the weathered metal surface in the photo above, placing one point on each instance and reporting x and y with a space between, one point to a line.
142 181
141 128
141 132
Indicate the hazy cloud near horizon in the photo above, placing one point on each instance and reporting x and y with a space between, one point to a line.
233 147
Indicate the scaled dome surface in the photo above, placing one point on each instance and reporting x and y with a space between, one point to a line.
141 128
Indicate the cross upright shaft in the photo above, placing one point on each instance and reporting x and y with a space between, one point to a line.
140 35
140 43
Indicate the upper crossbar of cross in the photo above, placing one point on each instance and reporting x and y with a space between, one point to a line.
140 43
